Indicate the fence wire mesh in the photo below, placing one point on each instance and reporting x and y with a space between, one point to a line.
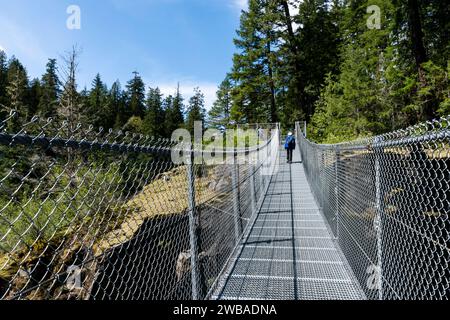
386 200
88 214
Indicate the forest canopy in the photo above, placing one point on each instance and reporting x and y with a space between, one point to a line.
313 60
320 61
134 108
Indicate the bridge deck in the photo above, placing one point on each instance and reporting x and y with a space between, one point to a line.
289 252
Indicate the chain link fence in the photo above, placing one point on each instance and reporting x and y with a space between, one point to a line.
386 200
87 214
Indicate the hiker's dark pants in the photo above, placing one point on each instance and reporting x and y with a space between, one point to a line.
289 154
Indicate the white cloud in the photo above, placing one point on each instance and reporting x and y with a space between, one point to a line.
2 49
187 90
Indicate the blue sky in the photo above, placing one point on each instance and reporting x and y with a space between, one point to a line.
190 41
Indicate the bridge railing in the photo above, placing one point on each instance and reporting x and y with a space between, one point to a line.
87 214
387 201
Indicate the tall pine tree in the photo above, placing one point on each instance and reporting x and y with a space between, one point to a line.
174 113
98 108
3 82
136 96
34 96
219 115
253 67
153 124
117 105
196 110
50 91
318 36
17 93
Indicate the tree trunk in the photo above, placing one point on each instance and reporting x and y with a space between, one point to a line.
420 55
273 106
295 54
415 26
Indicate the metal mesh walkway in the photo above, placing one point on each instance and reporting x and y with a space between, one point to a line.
289 252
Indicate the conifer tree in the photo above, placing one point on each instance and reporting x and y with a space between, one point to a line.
153 123
355 104
98 106
219 115
3 81
50 91
16 91
34 96
135 91
117 105
255 87
174 112
318 38
196 110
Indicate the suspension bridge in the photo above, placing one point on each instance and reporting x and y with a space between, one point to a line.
93 215
289 252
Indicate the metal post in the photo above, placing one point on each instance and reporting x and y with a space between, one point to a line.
279 133
338 156
267 156
305 128
236 205
193 227
263 161
252 181
258 163
321 172
297 137
252 188
379 217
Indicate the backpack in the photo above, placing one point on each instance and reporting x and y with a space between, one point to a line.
290 143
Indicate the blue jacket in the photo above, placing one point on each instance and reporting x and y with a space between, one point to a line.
290 143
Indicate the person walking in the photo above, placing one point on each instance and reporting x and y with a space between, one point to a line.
290 146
